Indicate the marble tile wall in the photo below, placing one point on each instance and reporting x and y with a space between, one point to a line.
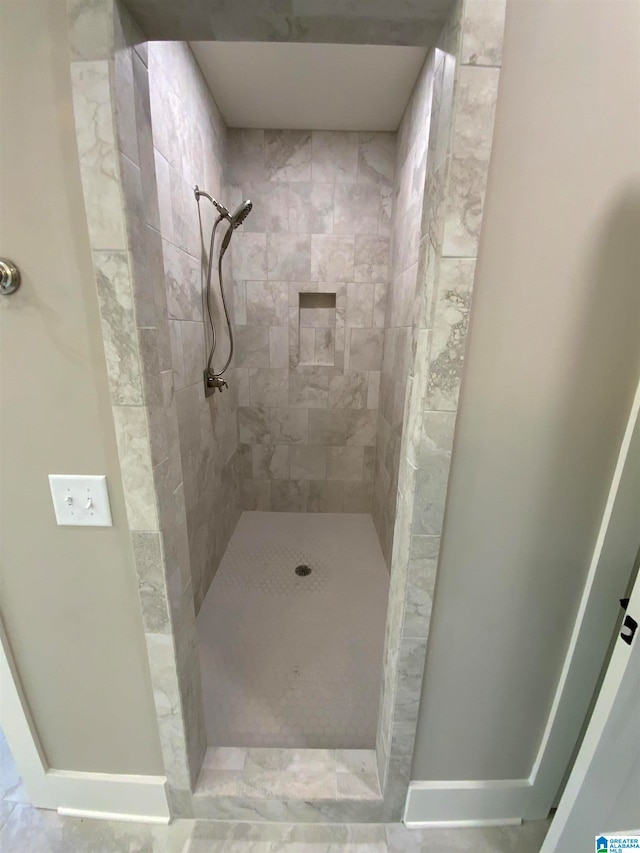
189 147
123 184
113 126
466 70
408 197
308 377
412 22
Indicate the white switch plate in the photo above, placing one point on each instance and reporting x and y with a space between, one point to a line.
80 499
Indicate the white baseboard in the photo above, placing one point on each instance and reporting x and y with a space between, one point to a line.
483 803
110 796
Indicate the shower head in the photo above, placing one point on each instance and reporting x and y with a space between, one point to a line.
236 219
240 213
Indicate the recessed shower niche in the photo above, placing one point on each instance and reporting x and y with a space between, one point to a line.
317 329
281 696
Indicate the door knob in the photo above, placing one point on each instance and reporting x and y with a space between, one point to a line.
9 277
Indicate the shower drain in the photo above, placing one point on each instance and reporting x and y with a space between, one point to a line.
302 570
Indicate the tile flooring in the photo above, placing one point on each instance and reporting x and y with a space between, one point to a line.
24 829
308 774
291 661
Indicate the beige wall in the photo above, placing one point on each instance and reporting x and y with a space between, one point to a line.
552 365
69 598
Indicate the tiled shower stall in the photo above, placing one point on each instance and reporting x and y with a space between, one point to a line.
349 286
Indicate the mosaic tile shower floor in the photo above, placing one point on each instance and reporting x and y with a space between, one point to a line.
291 661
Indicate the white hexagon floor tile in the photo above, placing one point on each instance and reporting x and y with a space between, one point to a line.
290 660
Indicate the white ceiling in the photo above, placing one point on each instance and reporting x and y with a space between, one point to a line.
310 86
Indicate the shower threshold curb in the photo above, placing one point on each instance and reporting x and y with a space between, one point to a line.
273 784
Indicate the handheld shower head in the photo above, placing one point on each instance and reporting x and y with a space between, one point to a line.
236 219
240 213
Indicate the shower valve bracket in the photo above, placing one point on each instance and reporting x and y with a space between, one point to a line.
211 382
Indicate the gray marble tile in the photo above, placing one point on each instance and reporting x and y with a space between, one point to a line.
241 382
423 561
146 154
90 29
254 425
164 196
376 158
289 495
177 356
188 401
239 303
225 758
365 349
289 426
449 334
287 155
185 222
409 675
306 346
360 786
135 464
311 208
267 303
332 257
527 838
270 206
386 210
373 389
148 277
269 387
124 103
270 463
358 497
348 390
308 463
371 258
98 155
252 346
11 788
117 321
345 463
151 586
325 346
334 156
246 154
193 350
356 209
291 760
279 346
6 807
182 277
168 708
473 132
482 32
288 257
327 427
256 495
308 390
433 472
30 830
360 299
360 427
325 496
249 256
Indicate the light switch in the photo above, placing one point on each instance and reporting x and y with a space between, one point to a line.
81 499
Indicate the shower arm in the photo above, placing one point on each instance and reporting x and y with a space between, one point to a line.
222 210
